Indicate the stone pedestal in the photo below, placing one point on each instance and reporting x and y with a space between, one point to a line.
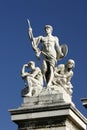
48 112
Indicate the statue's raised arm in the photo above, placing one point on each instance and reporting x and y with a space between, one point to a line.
34 41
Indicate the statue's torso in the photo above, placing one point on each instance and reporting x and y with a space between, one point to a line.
49 45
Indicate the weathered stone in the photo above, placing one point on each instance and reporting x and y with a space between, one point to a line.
48 112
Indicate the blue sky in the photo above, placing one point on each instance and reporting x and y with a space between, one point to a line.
69 20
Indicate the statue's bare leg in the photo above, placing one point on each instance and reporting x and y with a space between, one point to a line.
50 77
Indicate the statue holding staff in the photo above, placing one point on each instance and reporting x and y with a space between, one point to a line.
51 51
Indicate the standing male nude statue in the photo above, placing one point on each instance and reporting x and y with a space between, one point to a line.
51 51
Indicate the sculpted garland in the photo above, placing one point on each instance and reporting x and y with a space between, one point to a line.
51 52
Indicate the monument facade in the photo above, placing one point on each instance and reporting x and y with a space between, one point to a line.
47 95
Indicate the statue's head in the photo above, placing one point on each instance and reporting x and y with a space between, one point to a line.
31 64
60 68
48 28
70 63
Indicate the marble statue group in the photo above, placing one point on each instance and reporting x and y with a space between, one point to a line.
50 73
